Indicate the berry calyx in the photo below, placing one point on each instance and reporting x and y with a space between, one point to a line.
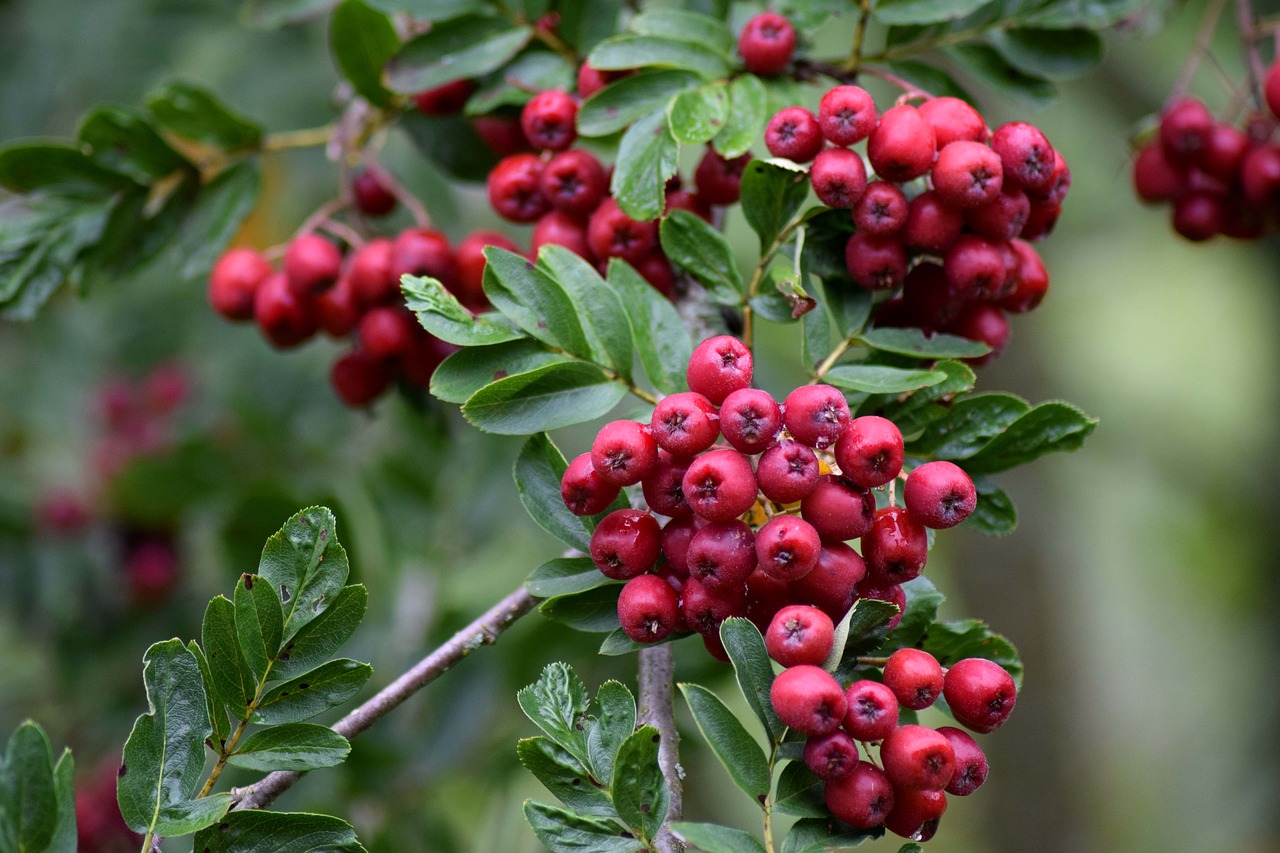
807 699
940 494
648 609
980 693
799 634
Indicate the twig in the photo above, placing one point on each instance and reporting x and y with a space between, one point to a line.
1257 73
657 691
322 213
484 631
859 34
402 194
285 140
1204 35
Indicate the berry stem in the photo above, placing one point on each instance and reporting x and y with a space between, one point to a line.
859 35
288 139
322 213
909 89
831 359
397 189
1204 35
1244 20
340 229
656 706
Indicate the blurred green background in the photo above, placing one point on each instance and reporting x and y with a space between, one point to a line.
1140 586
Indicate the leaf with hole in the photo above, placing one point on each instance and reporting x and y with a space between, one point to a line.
324 635
305 566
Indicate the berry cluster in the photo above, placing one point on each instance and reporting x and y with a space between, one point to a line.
949 211
919 766
1220 179
746 539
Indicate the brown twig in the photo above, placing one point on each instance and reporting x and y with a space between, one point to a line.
1257 72
1204 35
657 693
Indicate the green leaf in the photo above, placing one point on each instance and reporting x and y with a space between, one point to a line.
951 642
291 746
274 14
924 406
661 339
451 142
911 848
259 624
916 343
995 514
736 749
594 611
818 835
312 693
931 79
534 301
220 208
618 643
470 369
849 308
796 794
923 601
28 791
545 398
816 342
695 116
584 25
124 141
538 471
695 246
751 665
64 834
217 708
563 776
970 425
747 117
557 704
467 46
528 74
278 832
441 314
434 10
640 792
984 63
878 379
615 723
868 626
682 25
563 831
231 676
305 565
1049 427
164 756
564 576
648 157
713 838
633 97
895 12
57 168
195 113
363 40
324 635
627 51
1056 54
771 195
604 318
1091 14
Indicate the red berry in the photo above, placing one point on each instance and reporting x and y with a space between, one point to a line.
677 536
720 485
1199 216
882 210
750 420
359 378
152 569
234 282
1223 152
656 269
1002 218
980 693
872 711
680 199
875 263
839 177
583 490
787 472
895 548
592 80
799 634
870 451
285 318
915 677
932 226
807 699
422 251
765 597
863 799
917 757
311 264
663 491
1271 88
613 234
425 354
766 43
971 763
967 174
557 228
975 267
371 195
574 182
336 309
471 264
445 100
648 609
387 331
939 494
703 609
1154 177
718 367
1041 220
1026 156
793 133
370 275
902 147
892 594
624 452
515 188
715 647
980 321
626 543
953 120
684 423
1185 128
816 415
838 509
847 114
927 297
548 120
1033 280
829 585
1260 175
501 133
722 555
916 813
1059 183
719 181
831 756
787 547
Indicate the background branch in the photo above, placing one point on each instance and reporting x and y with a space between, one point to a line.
657 693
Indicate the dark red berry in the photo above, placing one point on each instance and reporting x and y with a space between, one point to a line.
592 80
1002 218
1185 128
285 318
831 756
975 267
703 609
626 543
1271 88
787 472
875 263
445 100
838 509
807 699
422 251
799 634
471 264
816 415
863 799
967 174
311 264
720 485
882 210
902 147
928 298
971 762
337 311
939 494
1041 220
892 594
677 536
765 597
916 813
750 420
718 367
917 757
722 555
983 322
548 120
359 378
1026 155
613 234
895 548
1199 216
953 120
515 188
719 181
663 491
1223 152
234 282
932 226
574 182
624 452
557 228
870 451
371 195
839 177
980 693
387 331
915 677
847 115
766 43
648 609
1033 280
370 275
583 490
787 547
1058 186
1156 179
872 711
684 424
830 584
679 199
793 133
425 354
501 133
656 269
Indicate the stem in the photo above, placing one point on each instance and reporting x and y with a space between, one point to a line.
340 229
1204 34
484 631
287 139
1244 20
758 276
397 189
321 214
859 35
909 89
657 692
872 661
831 359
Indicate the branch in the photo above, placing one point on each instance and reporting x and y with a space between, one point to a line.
484 631
657 691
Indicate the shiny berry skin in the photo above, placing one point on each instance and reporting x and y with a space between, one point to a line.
882 210
359 378
917 757
1185 128
800 634
939 494
872 711
915 677
838 509
234 282
1027 157
932 226
648 609
719 181
422 251
750 420
875 263
1223 152
720 485
765 597
1271 88
371 195
1033 280
767 43
387 331
974 267
471 263
839 177
831 756
892 594
624 452
981 321
663 491
285 318
311 264
583 490
1198 216
703 609
574 182
953 120
830 584
722 554
863 799
515 188
1155 178
613 234
980 693
1002 218
967 174
1058 186
807 699
846 115
787 547
902 147
793 133
626 543
916 813
896 547
787 472
548 120
816 415
870 451
684 424
718 367
971 763
445 100
677 536
369 274
337 312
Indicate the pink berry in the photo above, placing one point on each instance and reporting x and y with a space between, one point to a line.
847 115
626 543
684 424
838 509
766 43
793 133
862 799
720 485
583 490
940 494
624 452
915 677
872 711
718 367
799 634
648 609
917 757
816 415
870 451
807 699
980 693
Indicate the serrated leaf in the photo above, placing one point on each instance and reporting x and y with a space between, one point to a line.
220 208
470 369
259 624
916 343
995 514
231 676
695 116
564 576
563 776
695 246
305 565
594 611
196 113
640 792
544 398
923 601
56 168
633 97
951 642
441 314
604 318
615 721
124 141
28 791
879 379
796 794
451 142
64 838
557 704
984 63
362 39
291 746
324 635
745 647
312 693
563 831
713 838
898 12
217 708
661 340
534 301
648 157
164 756
923 407
1057 54
629 50
970 425
818 835
868 626
278 832
466 46
1048 427
538 471
736 749
771 195
747 117
683 25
